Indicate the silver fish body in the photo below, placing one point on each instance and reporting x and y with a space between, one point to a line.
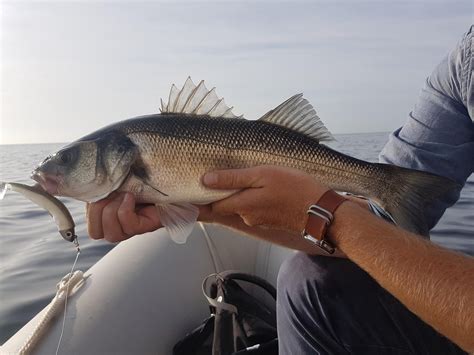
161 158
174 152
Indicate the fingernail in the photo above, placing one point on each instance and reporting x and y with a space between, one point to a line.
210 179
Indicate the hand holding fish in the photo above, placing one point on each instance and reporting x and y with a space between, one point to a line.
117 218
270 196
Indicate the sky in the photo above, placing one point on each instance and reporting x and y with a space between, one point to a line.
71 67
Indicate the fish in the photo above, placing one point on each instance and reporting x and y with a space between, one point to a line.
161 158
56 209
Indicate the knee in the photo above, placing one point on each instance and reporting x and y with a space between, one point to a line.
310 290
301 269
313 280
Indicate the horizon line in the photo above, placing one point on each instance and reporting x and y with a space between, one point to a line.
335 134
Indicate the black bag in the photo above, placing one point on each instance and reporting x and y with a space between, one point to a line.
239 322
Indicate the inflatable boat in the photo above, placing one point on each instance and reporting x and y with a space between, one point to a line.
145 294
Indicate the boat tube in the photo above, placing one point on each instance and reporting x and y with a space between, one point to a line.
145 294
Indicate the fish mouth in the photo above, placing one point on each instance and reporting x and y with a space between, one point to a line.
49 183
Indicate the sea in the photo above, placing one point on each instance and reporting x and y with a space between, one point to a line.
33 256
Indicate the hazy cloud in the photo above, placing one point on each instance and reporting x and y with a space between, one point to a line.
71 67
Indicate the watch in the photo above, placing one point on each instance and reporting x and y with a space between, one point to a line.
320 217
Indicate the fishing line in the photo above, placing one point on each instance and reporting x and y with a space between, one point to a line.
78 252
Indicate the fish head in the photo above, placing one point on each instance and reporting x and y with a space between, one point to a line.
87 170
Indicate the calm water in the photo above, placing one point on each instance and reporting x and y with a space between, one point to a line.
33 257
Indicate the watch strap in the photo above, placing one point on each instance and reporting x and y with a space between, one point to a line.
320 216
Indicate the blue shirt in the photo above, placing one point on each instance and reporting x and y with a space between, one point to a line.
438 136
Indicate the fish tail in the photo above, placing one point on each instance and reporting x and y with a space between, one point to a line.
409 192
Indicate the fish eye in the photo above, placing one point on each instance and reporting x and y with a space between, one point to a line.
66 157
121 150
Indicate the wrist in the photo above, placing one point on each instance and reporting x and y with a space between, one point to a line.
344 224
320 218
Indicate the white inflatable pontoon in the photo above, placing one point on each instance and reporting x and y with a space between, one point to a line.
145 294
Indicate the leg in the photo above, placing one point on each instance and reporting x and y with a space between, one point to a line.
331 306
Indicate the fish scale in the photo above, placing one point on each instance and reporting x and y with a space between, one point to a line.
174 141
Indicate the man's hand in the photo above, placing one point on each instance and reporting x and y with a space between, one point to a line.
270 196
117 218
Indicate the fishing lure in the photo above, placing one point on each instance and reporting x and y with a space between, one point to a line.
61 215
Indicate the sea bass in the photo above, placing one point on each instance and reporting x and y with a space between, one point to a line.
161 158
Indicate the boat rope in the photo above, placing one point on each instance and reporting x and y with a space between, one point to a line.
66 286
78 252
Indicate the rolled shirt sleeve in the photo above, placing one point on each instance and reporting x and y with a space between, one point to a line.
438 136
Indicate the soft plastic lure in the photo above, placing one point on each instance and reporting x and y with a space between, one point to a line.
55 207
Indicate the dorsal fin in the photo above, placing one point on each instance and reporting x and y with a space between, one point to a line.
196 100
298 114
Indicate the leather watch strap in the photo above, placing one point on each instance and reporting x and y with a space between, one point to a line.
320 216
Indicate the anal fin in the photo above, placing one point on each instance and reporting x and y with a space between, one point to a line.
178 219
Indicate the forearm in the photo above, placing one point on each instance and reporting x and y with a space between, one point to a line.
287 239
434 283
284 238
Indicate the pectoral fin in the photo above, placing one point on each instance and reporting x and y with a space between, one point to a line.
179 220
